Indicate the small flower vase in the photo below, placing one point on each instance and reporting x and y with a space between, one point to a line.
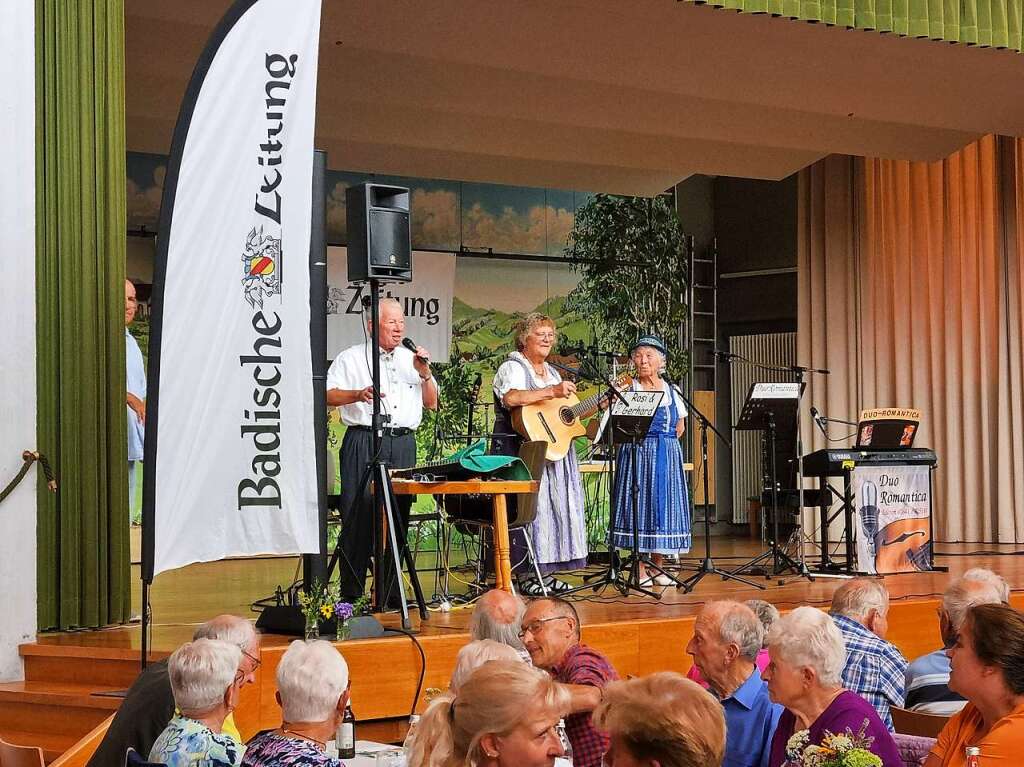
344 631
312 627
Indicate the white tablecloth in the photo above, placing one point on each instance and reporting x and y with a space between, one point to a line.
366 750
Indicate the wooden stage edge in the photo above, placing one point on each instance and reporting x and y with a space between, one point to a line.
639 635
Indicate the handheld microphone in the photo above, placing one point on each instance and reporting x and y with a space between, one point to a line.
409 344
724 355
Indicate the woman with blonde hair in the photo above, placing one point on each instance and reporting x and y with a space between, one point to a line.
559 529
504 715
662 719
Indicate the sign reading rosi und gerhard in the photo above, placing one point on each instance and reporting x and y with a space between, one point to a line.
230 462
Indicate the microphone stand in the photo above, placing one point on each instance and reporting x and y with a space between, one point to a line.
613 575
781 560
707 564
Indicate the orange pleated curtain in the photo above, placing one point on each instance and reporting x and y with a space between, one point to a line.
910 291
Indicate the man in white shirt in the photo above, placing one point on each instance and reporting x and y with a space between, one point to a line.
407 387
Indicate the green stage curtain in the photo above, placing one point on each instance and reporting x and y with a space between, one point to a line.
83 558
991 23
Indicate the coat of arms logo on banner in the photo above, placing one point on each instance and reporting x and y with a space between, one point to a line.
261 267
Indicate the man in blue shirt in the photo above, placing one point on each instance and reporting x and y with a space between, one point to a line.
136 385
927 678
874 668
727 637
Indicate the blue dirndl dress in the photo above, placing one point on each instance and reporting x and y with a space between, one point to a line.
663 508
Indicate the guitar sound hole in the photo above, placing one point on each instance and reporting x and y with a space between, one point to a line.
566 415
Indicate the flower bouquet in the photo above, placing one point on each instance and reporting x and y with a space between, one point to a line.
326 613
842 750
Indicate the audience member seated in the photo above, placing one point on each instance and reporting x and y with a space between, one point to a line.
662 719
497 615
312 690
727 637
475 654
987 668
927 678
551 633
149 704
204 681
987 576
805 676
875 669
767 614
504 715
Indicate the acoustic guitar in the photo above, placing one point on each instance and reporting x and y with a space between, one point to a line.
559 421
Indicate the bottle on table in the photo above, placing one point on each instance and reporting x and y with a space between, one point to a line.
566 758
972 756
407 744
346 736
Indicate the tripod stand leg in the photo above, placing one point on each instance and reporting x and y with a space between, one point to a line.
338 555
533 560
398 552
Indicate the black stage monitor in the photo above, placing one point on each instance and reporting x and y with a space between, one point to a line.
379 241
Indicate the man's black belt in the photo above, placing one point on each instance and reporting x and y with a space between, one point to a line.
396 432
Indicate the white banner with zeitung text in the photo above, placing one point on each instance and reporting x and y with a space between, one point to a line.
231 465
426 301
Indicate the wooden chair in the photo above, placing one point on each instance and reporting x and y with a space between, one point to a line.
476 512
20 756
917 723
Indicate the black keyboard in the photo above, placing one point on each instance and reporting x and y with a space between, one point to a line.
435 471
829 463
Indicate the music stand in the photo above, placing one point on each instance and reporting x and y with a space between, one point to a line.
707 564
766 407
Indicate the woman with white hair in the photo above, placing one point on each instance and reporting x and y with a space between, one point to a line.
312 690
205 681
475 654
651 472
504 715
805 675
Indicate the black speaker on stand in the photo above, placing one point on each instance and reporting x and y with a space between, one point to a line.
379 241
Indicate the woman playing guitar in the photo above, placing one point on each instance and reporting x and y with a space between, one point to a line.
559 530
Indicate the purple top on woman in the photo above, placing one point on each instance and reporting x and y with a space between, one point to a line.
847 711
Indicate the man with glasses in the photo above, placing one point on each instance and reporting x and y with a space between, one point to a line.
551 634
149 704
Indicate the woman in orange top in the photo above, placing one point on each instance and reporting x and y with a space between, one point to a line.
988 669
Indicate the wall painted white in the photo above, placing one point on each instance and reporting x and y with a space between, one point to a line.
17 318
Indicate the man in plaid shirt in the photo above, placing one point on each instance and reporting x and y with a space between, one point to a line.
875 669
551 633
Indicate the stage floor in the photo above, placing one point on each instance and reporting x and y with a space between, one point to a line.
182 598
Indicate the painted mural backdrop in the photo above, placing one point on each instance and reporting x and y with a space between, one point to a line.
446 215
